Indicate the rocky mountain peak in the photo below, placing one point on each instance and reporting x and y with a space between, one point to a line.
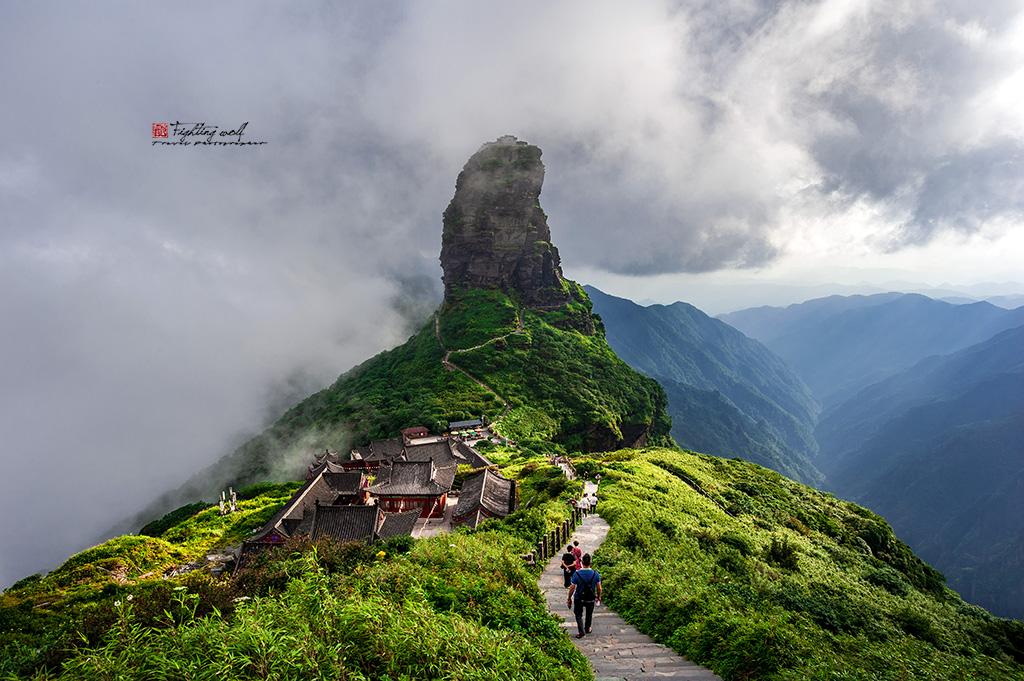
495 233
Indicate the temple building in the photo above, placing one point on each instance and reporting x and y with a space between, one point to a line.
484 495
444 452
360 523
405 485
330 486
376 454
414 433
412 477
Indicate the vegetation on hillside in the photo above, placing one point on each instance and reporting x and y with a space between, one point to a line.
760 577
937 450
570 380
728 395
731 564
41 617
460 605
568 387
734 566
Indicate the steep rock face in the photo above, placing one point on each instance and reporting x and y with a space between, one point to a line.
496 235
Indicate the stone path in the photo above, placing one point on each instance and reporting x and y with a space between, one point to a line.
616 650
449 365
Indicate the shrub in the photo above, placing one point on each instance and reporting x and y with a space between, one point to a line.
829 607
738 541
737 647
429 614
733 562
782 553
917 624
797 525
157 527
888 579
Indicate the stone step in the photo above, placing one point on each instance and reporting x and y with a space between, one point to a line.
616 650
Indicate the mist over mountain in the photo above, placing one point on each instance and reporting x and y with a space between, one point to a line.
938 450
728 394
839 345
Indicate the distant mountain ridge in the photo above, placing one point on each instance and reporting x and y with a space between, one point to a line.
728 394
867 338
938 450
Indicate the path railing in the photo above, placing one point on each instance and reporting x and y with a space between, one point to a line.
553 540
549 544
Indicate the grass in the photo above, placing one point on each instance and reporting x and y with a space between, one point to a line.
455 607
476 316
756 576
732 565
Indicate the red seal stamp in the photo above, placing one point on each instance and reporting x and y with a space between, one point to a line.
159 130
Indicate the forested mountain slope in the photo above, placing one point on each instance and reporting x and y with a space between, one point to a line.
938 450
728 394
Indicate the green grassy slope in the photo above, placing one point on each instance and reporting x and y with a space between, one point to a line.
731 564
760 577
738 568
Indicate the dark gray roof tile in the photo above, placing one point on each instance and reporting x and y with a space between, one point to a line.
470 455
395 524
413 478
485 490
440 452
345 523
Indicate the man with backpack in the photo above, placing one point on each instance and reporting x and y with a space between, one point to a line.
584 594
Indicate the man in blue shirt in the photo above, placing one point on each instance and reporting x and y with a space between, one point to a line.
584 593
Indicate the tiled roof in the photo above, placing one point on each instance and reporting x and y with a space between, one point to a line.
394 524
344 523
440 452
287 510
470 455
295 517
414 478
345 482
488 491
472 423
386 450
329 466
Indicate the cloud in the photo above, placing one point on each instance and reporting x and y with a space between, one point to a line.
161 303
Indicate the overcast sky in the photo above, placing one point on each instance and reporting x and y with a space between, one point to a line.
160 303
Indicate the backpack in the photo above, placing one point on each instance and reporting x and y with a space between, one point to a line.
588 591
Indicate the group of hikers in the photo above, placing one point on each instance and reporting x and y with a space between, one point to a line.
584 585
588 502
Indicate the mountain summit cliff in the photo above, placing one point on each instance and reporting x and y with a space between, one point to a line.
496 235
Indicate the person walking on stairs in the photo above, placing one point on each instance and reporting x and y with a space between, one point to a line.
568 565
584 594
